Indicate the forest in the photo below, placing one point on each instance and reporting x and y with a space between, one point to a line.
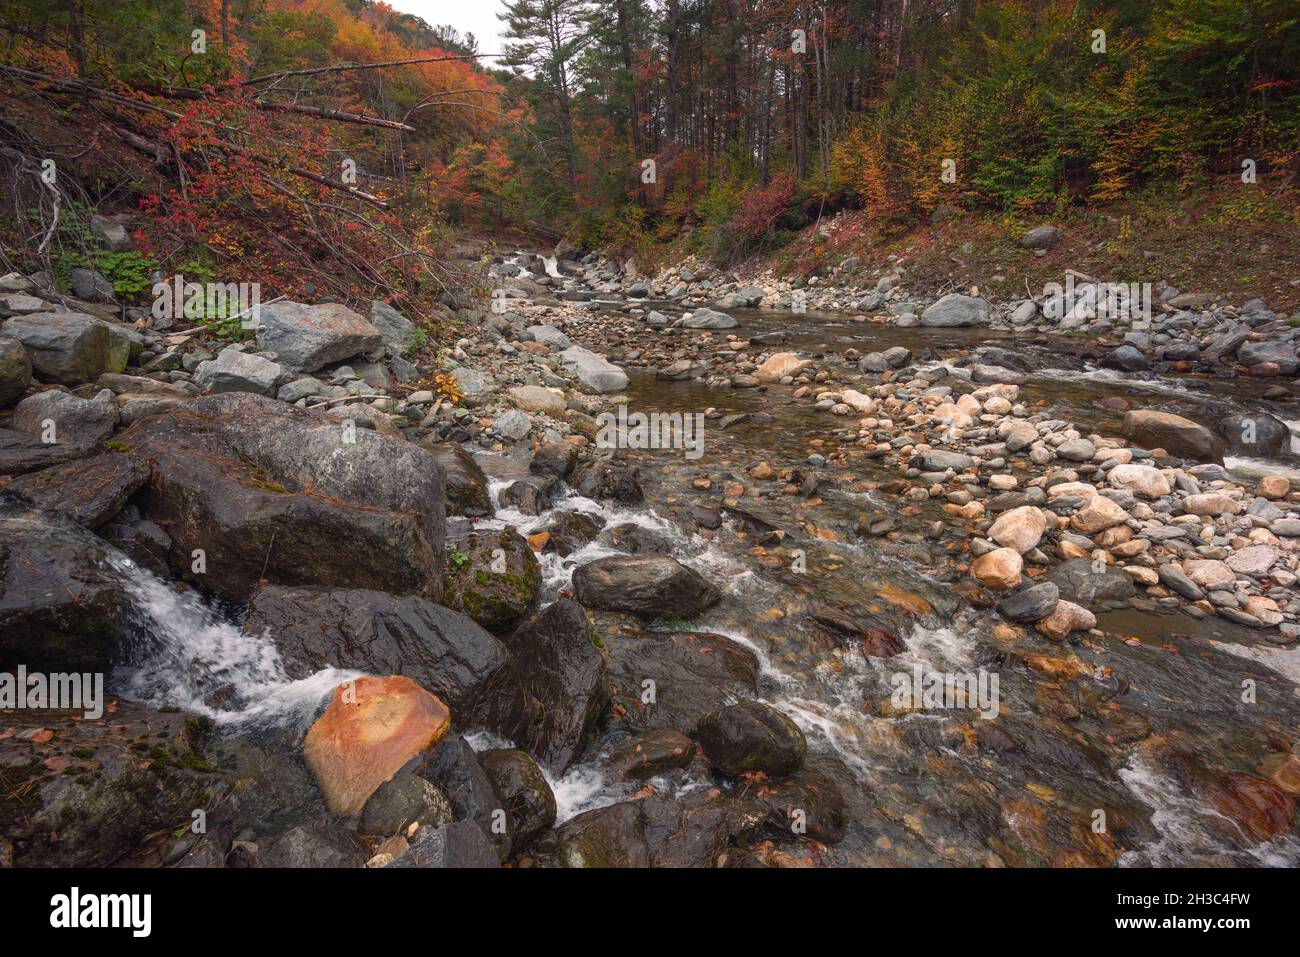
343 132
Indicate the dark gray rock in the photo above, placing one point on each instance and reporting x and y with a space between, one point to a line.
652 586
1030 604
442 650
566 674
752 736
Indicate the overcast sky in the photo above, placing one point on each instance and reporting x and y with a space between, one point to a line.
478 17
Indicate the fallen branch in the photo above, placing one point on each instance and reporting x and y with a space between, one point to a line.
343 67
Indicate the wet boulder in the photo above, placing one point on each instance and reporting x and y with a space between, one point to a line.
566 674
21 453
605 480
315 846
306 337
555 459
1259 809
459 845
808 804
690 674
455 768
86 793
636 539
652 586
443 651
1081 581
567 532
1030 604
466 485
1175 434
1254 434
61 604
651 753
403 800
70 347
701 829
522 787
492 576
267 492
372 728
90 492
528 497
752 736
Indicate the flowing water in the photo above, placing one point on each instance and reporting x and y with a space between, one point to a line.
923 787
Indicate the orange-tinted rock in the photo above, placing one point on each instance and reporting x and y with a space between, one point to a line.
370 730
1262 810
1284 771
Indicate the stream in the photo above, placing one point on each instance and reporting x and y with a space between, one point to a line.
1153 714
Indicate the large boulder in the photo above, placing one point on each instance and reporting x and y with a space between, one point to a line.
87 793
653 586
1276 351
453 846
752 736
442 650
955 309
268 492
306 338
61 604
607 480
1041 237
236 371
393 327
455 768
80 423
372 728
703 828
70 347
1173 433
403 800
492 576
20 453
566 674
780 365
690 674
15 370
522 787
89 492
594 373
1080 580
704 318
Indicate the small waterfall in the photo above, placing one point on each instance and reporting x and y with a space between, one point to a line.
186 654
